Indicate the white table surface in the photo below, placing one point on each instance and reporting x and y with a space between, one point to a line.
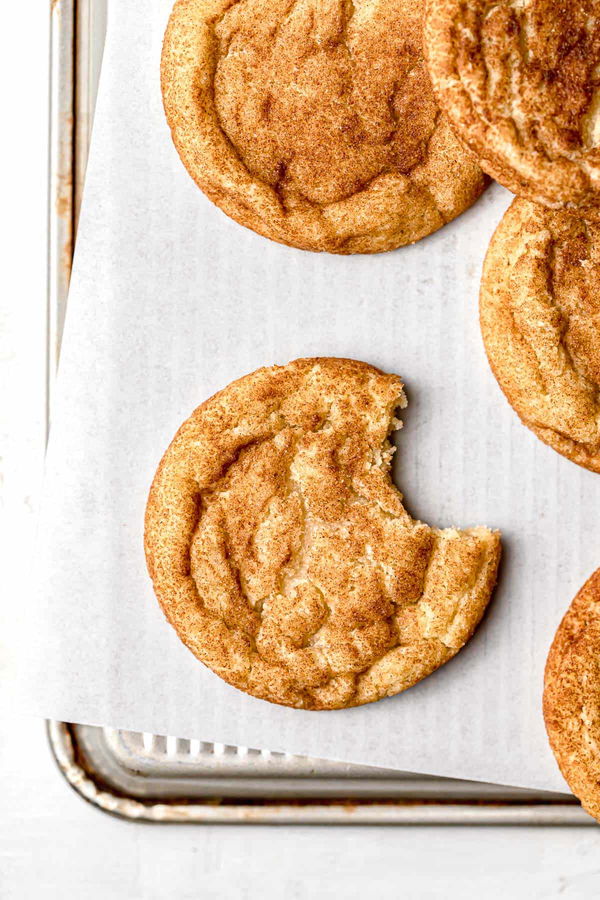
54 845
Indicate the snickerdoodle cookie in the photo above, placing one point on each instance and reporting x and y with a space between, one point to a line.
520 81
572 696
281 552
540 320
313 122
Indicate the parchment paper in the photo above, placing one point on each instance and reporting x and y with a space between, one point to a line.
170 301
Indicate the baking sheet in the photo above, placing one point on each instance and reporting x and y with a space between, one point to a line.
170 300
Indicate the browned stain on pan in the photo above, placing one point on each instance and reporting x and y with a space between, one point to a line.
63 204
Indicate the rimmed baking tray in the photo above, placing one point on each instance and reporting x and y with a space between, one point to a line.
163 779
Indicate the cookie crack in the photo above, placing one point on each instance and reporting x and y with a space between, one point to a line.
565 316
278 187
517 66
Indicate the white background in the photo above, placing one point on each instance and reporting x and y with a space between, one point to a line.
51 843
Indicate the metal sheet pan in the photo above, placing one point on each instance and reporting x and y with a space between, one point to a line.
157 779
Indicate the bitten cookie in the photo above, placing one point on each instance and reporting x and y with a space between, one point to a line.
281 552
519 82
540 320
314 122
572 696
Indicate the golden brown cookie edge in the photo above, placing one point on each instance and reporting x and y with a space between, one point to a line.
495 350
562 700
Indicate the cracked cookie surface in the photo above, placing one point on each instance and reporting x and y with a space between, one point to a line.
313 122
572 696
520 82
282 554
540 320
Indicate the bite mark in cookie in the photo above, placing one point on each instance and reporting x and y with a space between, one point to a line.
281 551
